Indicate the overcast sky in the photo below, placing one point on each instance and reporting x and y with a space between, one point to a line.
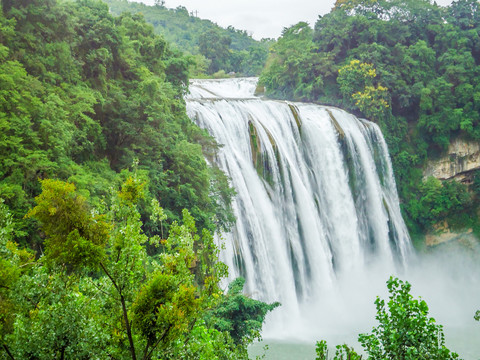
261 18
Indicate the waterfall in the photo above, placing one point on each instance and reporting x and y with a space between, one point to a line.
316 198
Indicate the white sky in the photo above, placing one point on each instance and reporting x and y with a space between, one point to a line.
261 18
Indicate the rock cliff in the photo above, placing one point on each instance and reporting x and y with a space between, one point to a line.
459 163
461 158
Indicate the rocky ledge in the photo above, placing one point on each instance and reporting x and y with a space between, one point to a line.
462 158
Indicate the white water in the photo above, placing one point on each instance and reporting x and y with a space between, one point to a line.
319 226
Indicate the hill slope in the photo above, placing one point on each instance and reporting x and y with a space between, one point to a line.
226 49
88 97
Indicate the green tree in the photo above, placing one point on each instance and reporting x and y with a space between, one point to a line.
293 67
240 315
405 330
354 77
58 316
437 200
149 305
373 102
215 47
187 31
342 352
356 81
75 239
88 95
14 262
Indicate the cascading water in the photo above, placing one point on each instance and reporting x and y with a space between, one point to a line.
318 225
316 198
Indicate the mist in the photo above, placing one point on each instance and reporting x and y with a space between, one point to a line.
265 18
448 280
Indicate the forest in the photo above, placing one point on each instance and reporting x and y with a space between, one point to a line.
214 50
109 195
99 256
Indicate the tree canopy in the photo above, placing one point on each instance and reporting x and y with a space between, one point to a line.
96 293
214 49
84 97
404 331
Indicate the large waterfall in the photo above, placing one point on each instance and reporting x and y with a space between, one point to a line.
318 226
316 198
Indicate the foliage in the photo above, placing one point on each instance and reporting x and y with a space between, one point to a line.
240 315
208 344
133 305
356 82
212 47
436 201
342 352
355 77
14 262
405 330
75 237
410 65
293 69
373 102
57 316
83 96
216 47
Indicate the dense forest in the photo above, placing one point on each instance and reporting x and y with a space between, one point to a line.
85 96
411 66
214 50
107 204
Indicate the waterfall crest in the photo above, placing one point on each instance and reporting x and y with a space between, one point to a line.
316 197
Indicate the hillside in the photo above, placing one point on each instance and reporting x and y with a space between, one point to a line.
230 50
89 98
107 204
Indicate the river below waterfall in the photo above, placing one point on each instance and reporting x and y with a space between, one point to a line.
319 227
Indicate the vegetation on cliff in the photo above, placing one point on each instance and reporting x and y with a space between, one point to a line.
96 293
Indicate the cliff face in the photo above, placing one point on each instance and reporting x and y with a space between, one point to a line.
459 163
462 157
443 234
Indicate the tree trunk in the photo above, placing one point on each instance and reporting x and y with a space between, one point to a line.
129 330
8 352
